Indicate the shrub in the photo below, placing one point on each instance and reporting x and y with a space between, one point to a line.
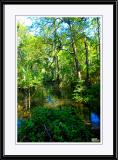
88 96
54 125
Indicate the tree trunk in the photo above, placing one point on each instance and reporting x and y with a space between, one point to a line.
57 68
75 59
25 99
25 102
55 49
87 63
78 73
29 101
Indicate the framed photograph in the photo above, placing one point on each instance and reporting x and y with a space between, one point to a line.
58 79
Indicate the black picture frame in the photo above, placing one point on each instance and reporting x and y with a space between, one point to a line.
2 92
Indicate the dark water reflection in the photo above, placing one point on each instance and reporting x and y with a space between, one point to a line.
49 98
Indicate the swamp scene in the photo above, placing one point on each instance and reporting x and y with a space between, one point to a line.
58 79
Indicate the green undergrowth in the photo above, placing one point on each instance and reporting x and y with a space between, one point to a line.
54 125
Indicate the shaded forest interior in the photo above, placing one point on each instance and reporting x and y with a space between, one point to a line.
58 79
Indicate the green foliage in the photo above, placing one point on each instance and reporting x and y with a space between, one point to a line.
58 57
54 125
80 92
49 54
88 95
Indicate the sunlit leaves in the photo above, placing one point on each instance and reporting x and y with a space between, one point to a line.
45 53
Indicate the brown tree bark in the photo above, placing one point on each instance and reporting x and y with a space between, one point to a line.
29 99
87 62
77 65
